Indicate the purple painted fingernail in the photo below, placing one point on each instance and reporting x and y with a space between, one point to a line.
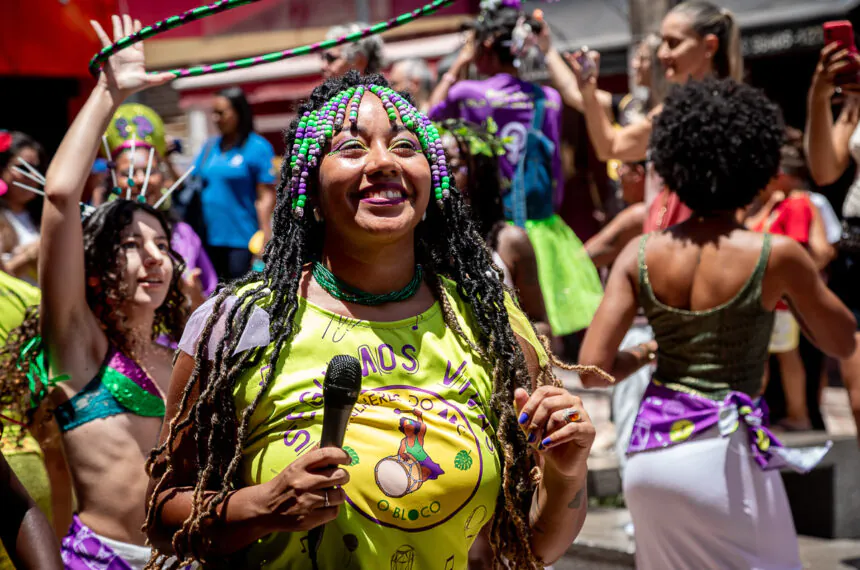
545 442
532 437
524 417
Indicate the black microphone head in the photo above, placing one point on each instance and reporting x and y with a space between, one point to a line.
342 380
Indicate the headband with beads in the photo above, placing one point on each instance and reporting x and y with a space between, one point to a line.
200 12
317 127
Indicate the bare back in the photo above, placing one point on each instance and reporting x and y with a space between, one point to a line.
697 272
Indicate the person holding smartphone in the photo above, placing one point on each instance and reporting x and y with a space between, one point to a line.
830 146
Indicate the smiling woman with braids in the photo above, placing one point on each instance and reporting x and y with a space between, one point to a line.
373 255
110 285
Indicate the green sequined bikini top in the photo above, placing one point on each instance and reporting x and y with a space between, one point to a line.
121 386
715 351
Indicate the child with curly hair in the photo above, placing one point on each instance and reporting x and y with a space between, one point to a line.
85 371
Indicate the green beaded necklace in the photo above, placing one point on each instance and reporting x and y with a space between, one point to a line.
344 292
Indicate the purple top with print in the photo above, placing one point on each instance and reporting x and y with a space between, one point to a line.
507 99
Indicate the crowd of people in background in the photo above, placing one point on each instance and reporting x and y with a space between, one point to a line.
157 325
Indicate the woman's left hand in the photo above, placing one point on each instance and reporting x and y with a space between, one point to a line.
125 73
558 427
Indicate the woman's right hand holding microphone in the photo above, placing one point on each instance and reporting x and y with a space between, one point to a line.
306 494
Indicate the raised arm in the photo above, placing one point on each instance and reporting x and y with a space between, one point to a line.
611 322
627 144
823 317
460 65
564 80
61 259
826 143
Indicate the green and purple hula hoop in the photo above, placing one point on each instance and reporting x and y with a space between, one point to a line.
200 12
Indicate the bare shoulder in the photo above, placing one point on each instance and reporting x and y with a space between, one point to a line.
515 238
786 255
628 259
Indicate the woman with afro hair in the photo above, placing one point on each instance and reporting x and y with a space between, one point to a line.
85 373
702 480
373 255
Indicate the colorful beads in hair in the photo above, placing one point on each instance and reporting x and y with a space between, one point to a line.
317 128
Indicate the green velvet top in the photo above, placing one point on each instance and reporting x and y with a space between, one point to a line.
715 351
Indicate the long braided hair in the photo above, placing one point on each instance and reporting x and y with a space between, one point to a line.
447 245
21 385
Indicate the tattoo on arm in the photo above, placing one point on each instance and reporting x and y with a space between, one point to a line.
577 499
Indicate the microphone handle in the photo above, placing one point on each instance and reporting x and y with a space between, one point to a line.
335 419
334 425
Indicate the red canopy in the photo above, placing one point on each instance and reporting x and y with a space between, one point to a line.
50 38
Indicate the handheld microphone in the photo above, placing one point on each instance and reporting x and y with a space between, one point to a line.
341 387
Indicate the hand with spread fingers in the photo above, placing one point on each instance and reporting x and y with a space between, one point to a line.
125 72
833 62
558 427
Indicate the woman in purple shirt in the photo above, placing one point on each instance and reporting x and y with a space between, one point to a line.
570 284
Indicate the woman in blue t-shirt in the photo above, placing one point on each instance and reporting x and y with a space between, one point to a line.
238 195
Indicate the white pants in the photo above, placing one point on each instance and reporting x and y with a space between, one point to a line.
707 504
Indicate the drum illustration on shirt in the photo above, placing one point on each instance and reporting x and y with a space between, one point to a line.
403 473
425 475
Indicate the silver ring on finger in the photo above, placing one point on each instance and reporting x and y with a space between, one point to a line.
325 496
572 415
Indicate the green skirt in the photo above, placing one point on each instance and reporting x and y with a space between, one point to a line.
568 279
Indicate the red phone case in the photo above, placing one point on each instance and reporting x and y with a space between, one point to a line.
842 32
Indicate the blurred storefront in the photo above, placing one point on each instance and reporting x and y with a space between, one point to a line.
269 25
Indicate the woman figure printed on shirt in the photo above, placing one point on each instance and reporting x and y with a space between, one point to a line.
412 445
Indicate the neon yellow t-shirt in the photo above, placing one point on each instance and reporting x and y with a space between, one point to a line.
23 453
15 297
425 469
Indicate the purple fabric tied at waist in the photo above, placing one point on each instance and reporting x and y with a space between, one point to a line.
82 549
669 417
